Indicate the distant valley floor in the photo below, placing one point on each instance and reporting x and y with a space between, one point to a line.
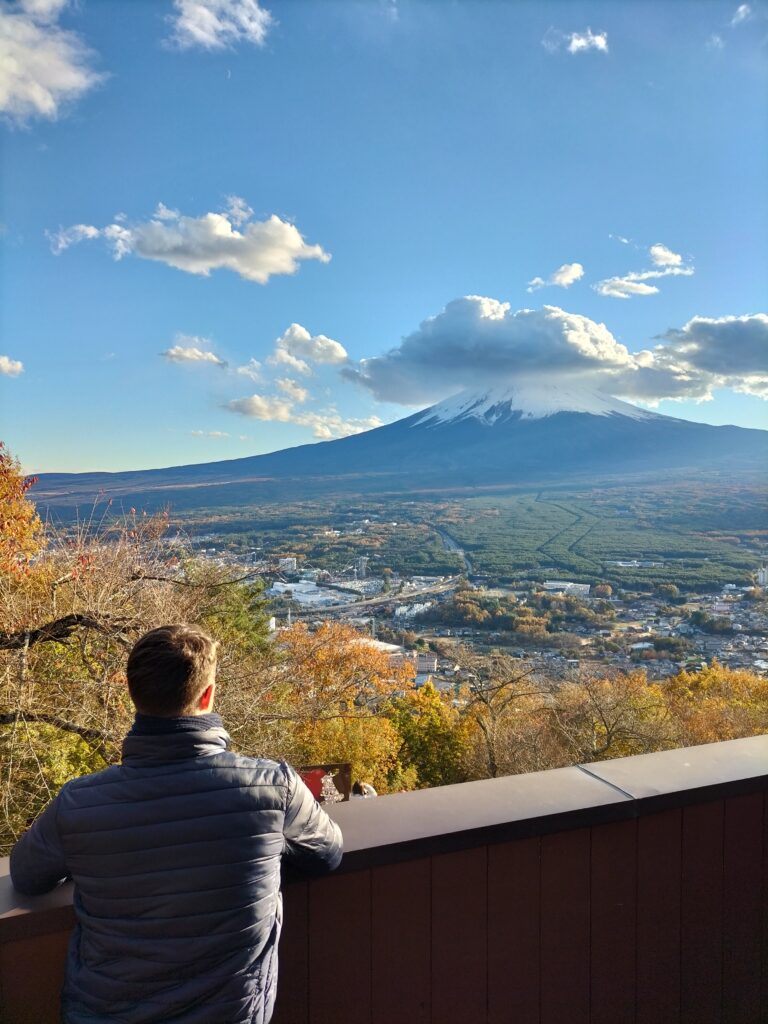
704 533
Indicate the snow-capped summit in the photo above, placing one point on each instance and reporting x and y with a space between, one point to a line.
526 400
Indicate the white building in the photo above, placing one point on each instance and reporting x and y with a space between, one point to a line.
286 565
566 587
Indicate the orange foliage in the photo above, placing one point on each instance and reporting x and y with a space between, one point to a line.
20 524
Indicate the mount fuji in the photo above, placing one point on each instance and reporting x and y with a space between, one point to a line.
513 434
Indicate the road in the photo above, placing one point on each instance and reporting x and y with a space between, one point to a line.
451 545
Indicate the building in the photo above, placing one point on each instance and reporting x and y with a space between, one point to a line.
567 587
286 564
361 567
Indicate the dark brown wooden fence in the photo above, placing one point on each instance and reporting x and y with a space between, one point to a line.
628 891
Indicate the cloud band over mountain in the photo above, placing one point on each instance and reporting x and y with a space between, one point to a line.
479 341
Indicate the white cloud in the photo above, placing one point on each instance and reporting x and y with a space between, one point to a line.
282 358
297 349
42 66
64 237
43 10
477 341
162 212
188 350
316 348
330 424
664 257
667 264
624 287
293 390
262 407
715 42
218 24
215 435
575 42
251 369
10 367
589 40
563 277
254 249
742 13
325 425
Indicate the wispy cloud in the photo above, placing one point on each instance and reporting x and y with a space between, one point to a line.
330 424
563 277
251 369
192 349
293 390
228 240
575 42
215 435
10 367
43 67
666 263
325 424
715 42
742 13
219 24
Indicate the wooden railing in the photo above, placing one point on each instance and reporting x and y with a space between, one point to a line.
633 890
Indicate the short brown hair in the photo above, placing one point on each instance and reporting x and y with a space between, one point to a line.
169 668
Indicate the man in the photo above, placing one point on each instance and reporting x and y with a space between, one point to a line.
175 856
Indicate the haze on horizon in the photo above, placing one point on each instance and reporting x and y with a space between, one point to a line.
231 227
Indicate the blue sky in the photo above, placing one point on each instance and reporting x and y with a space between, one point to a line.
356 169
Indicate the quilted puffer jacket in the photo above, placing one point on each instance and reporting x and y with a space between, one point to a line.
175 856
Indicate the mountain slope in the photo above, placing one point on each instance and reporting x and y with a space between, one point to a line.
510 435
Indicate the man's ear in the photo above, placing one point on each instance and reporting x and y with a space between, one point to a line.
206 698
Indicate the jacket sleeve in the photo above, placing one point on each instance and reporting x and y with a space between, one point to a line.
37 859
313 842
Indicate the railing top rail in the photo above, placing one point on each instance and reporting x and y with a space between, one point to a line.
424 822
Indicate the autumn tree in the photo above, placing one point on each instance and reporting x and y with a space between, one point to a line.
503 701
600 717
66 626
433 735
20 526
330 687
716 703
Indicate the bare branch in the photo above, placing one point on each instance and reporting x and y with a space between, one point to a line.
60 630
90 735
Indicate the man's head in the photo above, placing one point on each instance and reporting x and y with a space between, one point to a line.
171 671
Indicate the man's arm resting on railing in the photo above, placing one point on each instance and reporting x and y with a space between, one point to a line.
313 842
37 859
